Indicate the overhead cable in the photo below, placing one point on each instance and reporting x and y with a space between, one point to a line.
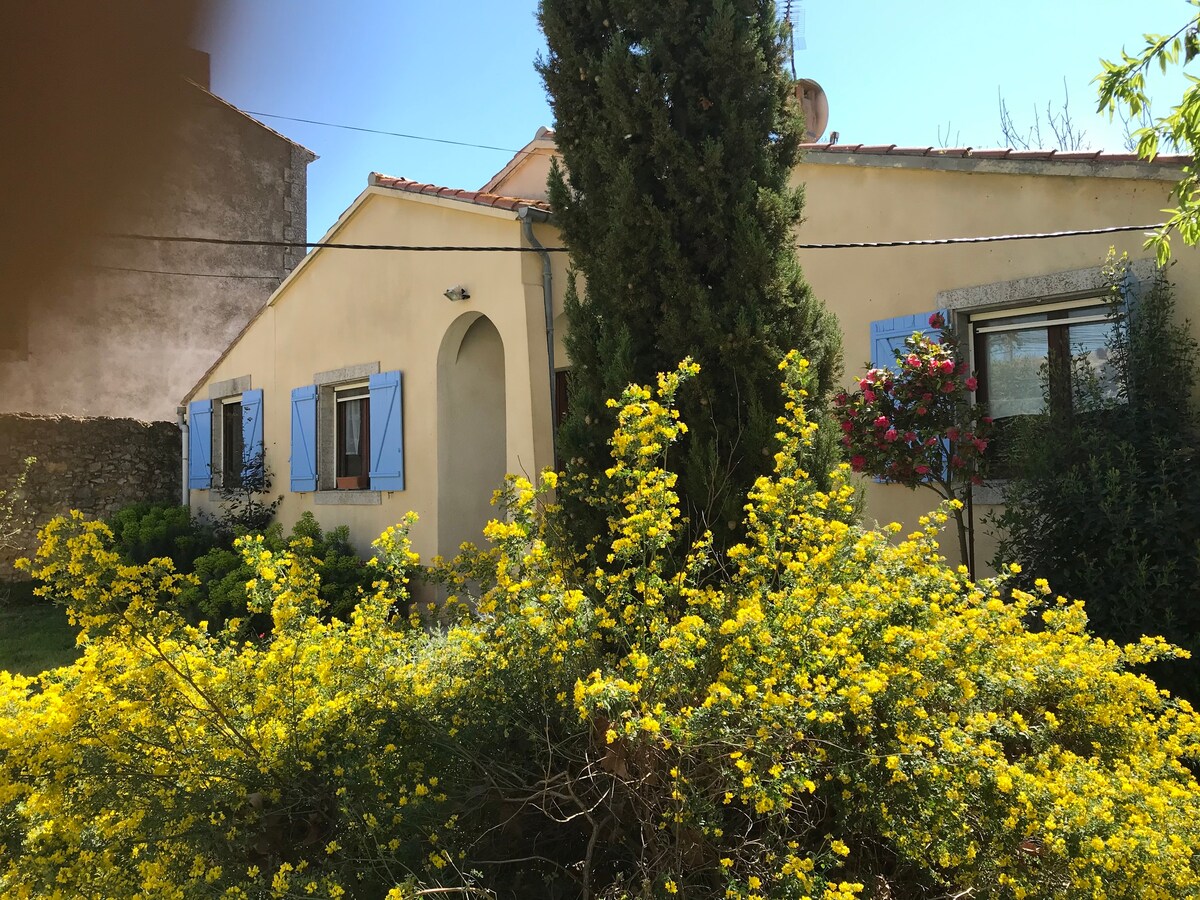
844 245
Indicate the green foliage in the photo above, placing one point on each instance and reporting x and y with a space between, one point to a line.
143 531
830 715
678 133
219 591
1123 87
1103 496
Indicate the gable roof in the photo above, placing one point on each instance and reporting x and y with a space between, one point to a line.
241 112
479 198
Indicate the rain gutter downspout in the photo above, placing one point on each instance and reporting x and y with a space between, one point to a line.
528 215
183 431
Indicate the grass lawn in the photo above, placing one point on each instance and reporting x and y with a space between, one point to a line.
34 637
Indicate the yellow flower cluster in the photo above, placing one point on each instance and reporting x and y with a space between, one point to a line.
823 712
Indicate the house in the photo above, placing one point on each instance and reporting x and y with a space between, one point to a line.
106 348
375 382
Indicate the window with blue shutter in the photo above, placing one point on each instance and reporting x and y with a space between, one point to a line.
303 461
253 459
387 431
888 336
200 444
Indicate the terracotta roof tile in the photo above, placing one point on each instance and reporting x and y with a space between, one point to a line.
479 198
1098 156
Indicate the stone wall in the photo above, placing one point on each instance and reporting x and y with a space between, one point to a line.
94 465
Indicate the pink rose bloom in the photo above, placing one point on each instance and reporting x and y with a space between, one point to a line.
956 462
909 437
891 434
846 441
952 432
857 463
972 383
863 384
980 444
922 470
976 479
928 398
987 420
921 410
869 396
937 321
881 422
946 366
914 361
841 399
847 426
948 387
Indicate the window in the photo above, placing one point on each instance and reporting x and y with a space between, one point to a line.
1015 349
348 435
225 436
353 441
232 447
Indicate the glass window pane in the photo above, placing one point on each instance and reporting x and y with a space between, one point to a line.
1013 361
1089 344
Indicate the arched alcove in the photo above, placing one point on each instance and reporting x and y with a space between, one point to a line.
472 458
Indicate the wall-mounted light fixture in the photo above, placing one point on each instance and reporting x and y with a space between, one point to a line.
458 292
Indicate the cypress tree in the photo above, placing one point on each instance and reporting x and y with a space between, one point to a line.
678 133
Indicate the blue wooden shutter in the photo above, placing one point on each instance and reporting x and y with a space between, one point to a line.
387 432
888 335
200 444
252 432
304 438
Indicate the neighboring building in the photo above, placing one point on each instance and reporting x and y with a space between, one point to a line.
374 394
131 324
114 338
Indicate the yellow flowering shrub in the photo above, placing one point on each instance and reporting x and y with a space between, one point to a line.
822 712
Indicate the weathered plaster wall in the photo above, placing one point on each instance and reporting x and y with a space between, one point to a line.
94 465
131 324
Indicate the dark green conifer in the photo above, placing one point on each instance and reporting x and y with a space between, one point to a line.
679 132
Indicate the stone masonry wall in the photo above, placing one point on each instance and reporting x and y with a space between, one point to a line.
95 465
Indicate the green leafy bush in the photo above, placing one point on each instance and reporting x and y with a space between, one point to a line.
820 712
142 531
1103 495
218 593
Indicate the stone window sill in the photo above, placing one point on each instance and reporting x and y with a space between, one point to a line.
348 498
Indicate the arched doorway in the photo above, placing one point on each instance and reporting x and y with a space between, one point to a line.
472 457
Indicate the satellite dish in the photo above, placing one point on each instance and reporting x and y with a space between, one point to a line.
816 108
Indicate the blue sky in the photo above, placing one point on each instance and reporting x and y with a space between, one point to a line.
895 73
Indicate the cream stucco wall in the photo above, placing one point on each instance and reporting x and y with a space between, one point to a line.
865 199
346 308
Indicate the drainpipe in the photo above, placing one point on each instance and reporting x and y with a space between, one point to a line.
528 215
181 411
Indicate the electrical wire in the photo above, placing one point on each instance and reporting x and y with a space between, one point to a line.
398 134
844 245
188 274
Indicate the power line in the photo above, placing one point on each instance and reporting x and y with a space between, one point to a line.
328 245
845 245
398 134
188 274
988 239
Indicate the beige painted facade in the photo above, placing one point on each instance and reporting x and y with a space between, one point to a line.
476 394
476 374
